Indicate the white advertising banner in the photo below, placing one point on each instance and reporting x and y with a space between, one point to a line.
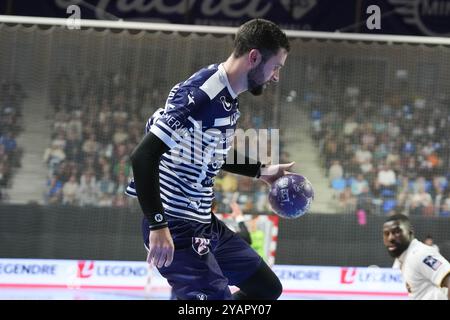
132 275
127 275
371 281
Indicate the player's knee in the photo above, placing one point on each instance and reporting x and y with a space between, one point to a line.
263 285
273 290
277 289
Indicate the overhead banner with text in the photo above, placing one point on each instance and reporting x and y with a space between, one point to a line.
408 17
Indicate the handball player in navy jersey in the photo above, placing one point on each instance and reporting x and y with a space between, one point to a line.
185 146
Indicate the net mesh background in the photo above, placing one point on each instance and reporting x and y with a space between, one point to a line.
90 92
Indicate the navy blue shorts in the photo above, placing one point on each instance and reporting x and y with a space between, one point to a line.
207 259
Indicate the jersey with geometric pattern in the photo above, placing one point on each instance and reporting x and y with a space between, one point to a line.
198 125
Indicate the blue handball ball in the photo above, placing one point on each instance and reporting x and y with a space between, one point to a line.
291 196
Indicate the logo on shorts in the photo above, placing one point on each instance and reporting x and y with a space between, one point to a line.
200 245
433 263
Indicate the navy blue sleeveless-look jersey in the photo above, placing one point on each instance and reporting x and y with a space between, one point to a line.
197 124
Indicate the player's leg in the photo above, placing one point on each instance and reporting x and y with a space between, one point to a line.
244 268
194 277
263 284
194 273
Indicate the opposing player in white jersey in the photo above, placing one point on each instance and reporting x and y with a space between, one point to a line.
174 166
425 271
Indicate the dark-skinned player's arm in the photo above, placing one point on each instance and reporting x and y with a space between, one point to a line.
145 162
446 283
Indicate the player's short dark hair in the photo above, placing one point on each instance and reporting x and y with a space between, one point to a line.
398 217
260 34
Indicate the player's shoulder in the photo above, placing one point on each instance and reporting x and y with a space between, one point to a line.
193 87
199 78
421 251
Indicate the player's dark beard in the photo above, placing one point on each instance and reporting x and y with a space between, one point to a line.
400 248
255 79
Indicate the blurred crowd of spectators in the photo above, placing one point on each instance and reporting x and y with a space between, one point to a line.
97 123
12 96
381 156
385 156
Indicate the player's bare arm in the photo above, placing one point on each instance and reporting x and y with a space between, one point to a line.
446 283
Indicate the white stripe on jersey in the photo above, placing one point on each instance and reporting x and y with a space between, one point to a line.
224 78
163 136
184 169
197 154
176 215
131 192
184 204
165 187
174 135
189 190
190 214
223 151
221 122
171 196
213 85
195 123
185 165
153 118
205 202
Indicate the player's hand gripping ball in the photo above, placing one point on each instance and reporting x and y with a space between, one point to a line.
291 196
